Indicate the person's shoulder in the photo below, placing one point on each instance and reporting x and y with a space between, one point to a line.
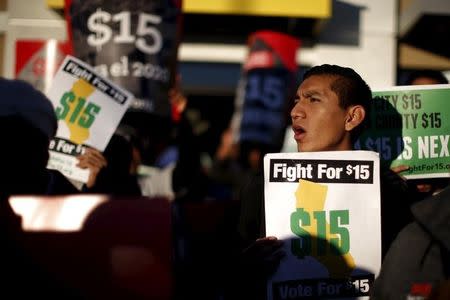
412 233
433 214
429 226
401 263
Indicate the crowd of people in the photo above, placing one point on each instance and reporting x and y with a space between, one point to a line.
157 156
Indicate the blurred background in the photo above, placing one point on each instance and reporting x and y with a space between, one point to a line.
382 40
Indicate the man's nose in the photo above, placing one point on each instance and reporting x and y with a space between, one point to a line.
298 111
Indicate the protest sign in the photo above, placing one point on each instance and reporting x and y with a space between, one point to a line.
134 43
410 125
264 91
88 108
326 207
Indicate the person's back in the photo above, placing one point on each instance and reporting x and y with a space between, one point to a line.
419 258
27 123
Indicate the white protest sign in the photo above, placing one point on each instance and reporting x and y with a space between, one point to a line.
88 108
326 207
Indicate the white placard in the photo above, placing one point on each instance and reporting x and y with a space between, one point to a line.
326 207
89 109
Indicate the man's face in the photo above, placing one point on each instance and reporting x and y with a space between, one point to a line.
424 80
318 121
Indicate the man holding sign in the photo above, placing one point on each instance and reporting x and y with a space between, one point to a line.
331 109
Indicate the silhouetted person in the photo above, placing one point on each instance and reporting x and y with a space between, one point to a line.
421 77
27 123
419 259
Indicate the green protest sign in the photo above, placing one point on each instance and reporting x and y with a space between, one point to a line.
410 125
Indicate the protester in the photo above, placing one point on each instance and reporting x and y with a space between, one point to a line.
158 154
233 163
27 123
111 172
189 178
422 77
331 110
169 152
141 156
418 261
151 155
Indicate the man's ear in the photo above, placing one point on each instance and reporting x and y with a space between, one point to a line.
355 116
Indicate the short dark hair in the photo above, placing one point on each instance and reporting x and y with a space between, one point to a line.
433 74
350 88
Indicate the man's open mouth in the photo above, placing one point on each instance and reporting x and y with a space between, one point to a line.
299 132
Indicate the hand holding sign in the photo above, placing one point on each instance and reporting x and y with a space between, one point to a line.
94 161
88 108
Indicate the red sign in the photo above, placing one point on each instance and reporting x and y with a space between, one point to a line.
38 60
270 49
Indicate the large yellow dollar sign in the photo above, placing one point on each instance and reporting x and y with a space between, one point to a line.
82 90
309 219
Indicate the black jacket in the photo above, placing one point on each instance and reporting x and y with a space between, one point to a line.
419 257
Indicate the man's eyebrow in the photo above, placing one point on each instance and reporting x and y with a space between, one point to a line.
311 93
